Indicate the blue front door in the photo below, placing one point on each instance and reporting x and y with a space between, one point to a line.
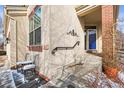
92 39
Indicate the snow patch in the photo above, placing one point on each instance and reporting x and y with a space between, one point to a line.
121 76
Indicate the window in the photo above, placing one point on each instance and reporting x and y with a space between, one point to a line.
35 28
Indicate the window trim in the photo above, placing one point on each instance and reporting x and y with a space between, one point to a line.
32 30
33 11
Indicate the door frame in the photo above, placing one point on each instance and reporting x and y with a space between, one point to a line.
87 39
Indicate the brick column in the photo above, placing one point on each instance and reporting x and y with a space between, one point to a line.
107 33
108 46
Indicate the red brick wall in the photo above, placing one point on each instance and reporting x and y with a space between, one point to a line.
107 33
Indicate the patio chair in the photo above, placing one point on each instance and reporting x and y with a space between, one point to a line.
26 61
30 67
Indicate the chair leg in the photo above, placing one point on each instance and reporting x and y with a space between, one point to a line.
17 68
24 73
34 73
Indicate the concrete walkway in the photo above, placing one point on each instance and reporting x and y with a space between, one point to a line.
6 77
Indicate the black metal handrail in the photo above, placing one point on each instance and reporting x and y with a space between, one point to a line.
65 48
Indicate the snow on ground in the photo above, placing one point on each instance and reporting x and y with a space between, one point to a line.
103 81
92 79
95 80
121 76
6 79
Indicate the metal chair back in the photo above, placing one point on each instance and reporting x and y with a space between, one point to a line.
36 60
27 56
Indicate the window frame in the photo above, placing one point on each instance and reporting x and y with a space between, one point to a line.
33 29
87 30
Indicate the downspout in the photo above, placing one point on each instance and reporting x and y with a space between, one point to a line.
16 41
16 35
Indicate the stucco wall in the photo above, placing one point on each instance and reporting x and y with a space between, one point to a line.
60 23
99 38
17 46
56 22
22 37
